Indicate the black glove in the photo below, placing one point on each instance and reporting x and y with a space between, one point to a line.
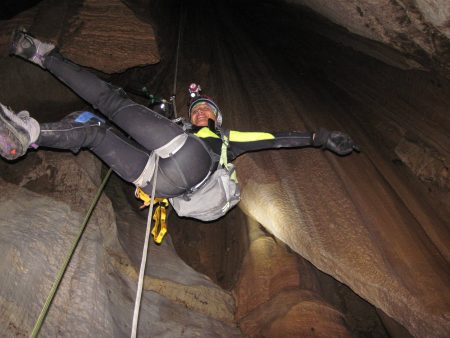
336 141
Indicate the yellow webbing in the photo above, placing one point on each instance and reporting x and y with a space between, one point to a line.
159 216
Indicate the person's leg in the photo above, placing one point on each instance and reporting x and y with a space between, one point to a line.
176 174
145 126
185 161
86 130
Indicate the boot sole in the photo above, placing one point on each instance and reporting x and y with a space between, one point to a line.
18 38
12 139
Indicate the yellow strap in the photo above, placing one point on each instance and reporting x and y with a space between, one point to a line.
160 228
159 216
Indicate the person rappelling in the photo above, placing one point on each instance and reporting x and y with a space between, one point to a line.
192 162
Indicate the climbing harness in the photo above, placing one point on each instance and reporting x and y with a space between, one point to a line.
218 193
59 276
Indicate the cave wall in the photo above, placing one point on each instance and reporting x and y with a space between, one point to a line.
376 221
43 202
83 31
419 30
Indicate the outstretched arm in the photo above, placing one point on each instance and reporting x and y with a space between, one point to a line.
242 142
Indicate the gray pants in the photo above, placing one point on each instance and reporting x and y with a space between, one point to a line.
147 129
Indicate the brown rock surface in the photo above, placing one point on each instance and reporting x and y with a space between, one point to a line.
105 35
96 296
365 219
419 30
424 163
274 298
295 313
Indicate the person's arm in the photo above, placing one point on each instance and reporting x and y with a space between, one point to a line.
242 142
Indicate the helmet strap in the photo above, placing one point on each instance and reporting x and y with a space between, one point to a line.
211 124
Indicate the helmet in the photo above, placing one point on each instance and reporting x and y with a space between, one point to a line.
197 98
161 106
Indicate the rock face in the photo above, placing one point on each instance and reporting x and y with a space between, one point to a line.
105 35
365 219
273 299
419 30
96 297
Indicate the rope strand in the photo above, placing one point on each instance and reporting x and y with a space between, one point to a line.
59 276
137 303
174 89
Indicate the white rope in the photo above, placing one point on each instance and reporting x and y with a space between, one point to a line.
137 303
180 33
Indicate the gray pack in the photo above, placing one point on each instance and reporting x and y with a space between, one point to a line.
216 196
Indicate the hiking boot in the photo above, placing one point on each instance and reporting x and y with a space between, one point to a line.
17 133
29 48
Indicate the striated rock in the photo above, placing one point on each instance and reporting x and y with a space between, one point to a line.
215 249
349 242
87 32
295 313
424 163
97 294
361 218
275 300
419 30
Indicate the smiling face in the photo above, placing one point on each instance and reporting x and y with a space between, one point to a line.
200 114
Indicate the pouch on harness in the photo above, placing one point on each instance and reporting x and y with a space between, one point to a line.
216 196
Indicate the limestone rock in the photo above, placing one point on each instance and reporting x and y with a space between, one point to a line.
105 35
274 299
424 163
295 313
341 238
36 232
417 29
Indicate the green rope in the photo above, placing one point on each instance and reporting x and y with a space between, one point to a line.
40 320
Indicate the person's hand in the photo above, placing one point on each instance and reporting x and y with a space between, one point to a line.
336 141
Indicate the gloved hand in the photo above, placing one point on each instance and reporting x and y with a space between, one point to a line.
336 141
